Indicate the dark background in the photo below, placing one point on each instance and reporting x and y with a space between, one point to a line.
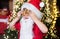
58 4
4 3
58 20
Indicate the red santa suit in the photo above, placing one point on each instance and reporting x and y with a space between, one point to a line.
26 27
31 32
3 23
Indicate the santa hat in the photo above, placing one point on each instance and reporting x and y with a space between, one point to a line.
34 5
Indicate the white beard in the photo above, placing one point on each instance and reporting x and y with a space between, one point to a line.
26 28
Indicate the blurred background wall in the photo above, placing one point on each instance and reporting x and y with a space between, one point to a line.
6 3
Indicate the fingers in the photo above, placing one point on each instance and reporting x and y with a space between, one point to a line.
19 13
12 28
30 12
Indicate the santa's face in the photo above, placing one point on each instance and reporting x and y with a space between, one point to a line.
25 14
26 27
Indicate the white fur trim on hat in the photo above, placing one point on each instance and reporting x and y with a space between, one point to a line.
32 8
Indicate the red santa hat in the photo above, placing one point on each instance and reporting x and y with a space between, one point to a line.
34 5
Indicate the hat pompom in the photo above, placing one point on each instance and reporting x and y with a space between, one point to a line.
41 4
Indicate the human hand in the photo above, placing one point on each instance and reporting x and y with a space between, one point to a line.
12 28
32 14
19 13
